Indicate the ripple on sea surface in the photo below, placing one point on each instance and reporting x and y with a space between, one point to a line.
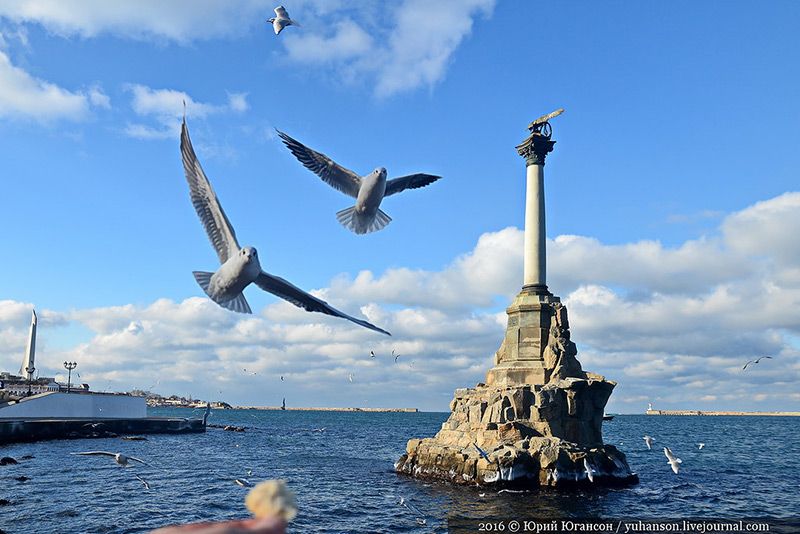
345 483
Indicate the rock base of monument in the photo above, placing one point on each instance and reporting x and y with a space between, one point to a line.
525 435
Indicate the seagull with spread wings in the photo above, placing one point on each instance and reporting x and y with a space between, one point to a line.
281 20
120 458
755 361
366 216
240 266
673 461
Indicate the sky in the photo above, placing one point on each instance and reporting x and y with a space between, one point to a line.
673 199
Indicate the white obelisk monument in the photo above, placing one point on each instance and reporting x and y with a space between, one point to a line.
27 369
520 357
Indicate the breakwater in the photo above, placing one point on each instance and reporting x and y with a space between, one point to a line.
699 412
294 409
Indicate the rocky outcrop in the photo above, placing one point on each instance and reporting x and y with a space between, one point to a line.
547 434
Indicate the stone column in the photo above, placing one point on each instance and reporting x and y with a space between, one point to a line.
534 150
520 359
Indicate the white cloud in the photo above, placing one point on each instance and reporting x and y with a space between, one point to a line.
175 20
98 98
238 102
348 41
25 96
164 109
654 319
410 47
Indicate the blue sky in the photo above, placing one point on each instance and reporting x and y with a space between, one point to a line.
680 119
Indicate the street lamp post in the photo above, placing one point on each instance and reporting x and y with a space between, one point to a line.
29 373
69 366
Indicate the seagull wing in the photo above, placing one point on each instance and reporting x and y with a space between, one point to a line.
143 481
287 291
205 202
412 181
671 458
95 453
588 468
332 173
137 460
281 12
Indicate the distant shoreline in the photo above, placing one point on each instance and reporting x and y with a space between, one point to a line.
699 412
278 408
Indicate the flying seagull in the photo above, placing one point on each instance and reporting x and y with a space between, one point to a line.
700 446
94 425
120 458
281 20
672 460
144 482
649 441
240 266
368 190
755 361
589 470
482 452
350 377
371 354
243 482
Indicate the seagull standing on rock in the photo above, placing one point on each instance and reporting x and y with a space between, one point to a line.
366 216
240 266
281 20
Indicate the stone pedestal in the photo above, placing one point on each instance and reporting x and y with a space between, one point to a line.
543 431
520 359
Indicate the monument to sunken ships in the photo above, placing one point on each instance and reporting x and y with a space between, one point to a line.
538 418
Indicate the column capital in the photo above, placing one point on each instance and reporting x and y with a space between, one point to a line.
535 148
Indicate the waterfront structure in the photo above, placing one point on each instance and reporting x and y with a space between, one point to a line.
26 384
537 420
13 386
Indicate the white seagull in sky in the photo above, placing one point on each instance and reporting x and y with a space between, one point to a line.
240 266
649 441
368 190
120 458
672 460
281 20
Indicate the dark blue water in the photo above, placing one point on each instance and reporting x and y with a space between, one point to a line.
345 482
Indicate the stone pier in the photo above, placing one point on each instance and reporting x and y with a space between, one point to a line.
537 420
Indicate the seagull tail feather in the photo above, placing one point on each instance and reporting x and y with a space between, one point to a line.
203 279
354 222
237 304
380 221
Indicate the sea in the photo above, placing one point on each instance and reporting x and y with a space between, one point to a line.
344 480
